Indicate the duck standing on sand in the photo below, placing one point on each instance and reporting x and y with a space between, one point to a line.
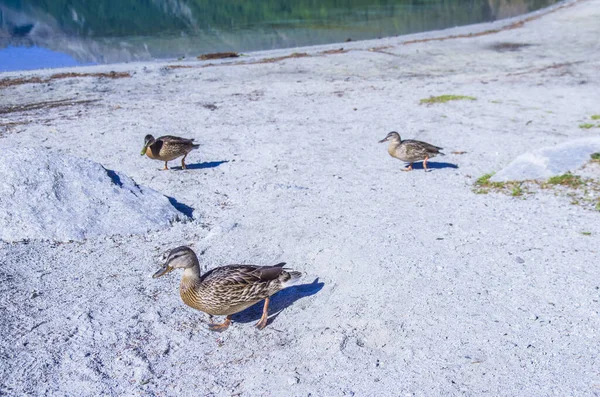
410 150
226 290
167 148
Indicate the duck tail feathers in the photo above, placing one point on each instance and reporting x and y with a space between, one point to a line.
290 278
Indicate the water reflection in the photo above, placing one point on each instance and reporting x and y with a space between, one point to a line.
105 31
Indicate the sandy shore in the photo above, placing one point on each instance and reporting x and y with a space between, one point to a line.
414 284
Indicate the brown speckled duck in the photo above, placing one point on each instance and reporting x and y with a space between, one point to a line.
167 148
226 290
410 150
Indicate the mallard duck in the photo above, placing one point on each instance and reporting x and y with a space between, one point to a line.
167 148
226 290
410 150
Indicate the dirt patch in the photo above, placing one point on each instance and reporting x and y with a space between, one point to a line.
218 55
210 106
509 47
11 124
382 50
253 96
277 59
265 60
329 52
11 127
44 105
8 82
544 68
178 67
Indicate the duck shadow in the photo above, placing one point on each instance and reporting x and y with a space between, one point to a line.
434 165
201 166
279 302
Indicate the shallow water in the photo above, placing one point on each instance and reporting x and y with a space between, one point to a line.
54 33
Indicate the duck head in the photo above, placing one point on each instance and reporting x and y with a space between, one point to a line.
148 140
392 136
178 258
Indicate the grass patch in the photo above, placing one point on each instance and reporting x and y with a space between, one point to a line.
567 179
586 126
484 186
586 233
484 181
445 98
517 191
595 157
595 117
583 192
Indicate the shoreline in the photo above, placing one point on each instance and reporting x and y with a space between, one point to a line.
465 31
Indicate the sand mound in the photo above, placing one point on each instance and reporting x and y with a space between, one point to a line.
54 196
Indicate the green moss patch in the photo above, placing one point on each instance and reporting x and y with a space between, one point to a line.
586 126
584 192
517 191
567 179
483 185
445 98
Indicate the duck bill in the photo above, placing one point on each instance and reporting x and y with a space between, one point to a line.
144 150
383 140
166 269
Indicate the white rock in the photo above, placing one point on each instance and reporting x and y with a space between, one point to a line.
549 161
46 195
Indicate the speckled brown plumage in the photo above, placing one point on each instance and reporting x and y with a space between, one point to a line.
167 148
228 289
410 150
231 289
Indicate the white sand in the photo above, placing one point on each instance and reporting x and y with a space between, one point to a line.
424 288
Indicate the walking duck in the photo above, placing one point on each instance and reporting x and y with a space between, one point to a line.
410 150
167 148
226 290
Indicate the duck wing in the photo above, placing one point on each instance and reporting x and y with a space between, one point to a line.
243 283
243 274
422 146
171 139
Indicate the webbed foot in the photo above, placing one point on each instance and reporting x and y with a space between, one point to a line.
220 327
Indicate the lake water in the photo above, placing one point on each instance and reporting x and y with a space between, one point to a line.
55 33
